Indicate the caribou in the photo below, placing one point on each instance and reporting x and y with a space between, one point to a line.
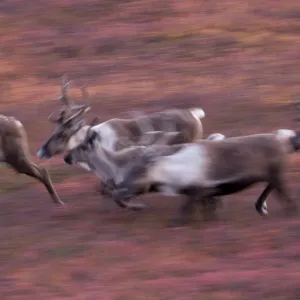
206 169
112 166
14 151
115 134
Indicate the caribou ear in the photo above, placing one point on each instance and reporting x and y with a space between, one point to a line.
92 137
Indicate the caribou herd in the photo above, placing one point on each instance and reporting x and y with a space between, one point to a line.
163 152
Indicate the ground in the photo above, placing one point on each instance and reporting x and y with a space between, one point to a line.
238 60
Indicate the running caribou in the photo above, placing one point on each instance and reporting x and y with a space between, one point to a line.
206 169
71 128
116 134
14 151
113 166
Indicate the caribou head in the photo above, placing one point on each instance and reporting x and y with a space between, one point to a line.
68 122
105 163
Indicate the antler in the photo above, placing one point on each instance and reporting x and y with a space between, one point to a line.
82 108
68 103
65 98
59 118
85 95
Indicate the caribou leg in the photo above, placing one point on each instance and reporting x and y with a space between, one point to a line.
209 206
27 167
133 206
124 202
276 184
107 189
282 195
130 205
185 212
261 204
211 203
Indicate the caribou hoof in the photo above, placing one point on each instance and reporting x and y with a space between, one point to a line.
121 203
137 206
262 210
59 202
131 206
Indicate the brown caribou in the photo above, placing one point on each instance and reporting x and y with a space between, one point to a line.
14 151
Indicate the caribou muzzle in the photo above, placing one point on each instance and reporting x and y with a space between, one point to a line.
43 154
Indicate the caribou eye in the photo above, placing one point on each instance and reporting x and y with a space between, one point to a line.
61 135
84 147
90 141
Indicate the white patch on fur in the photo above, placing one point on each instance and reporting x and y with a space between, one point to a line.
189 167
264 208
168 191
184 168
198 113
216 137
107 134
84 166
40 153
19 124
284 136
285 133
77 138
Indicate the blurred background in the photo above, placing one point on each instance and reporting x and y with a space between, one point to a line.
238 60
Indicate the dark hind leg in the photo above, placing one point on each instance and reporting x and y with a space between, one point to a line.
282 195
185 212
261 203
209 206
211 203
